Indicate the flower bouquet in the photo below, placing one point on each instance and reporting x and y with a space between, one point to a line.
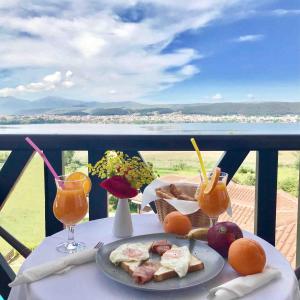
123 177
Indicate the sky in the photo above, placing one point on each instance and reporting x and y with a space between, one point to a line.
161 51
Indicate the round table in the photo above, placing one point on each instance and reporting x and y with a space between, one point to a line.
87 281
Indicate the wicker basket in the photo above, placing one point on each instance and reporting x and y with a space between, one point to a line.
198 219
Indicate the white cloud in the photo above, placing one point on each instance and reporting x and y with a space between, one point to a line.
68 83
249 38
285 12
53 78
69 74
88 44
105 52
189 70
217 96
49 82
250 96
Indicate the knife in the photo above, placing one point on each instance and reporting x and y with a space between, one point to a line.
191 245
191 242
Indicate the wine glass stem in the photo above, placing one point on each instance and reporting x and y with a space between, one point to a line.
213 221
71 234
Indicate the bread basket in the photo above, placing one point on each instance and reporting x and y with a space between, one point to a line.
198 218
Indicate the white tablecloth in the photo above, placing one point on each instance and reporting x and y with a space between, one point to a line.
87 281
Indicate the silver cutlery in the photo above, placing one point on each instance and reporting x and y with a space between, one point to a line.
99 245
191 245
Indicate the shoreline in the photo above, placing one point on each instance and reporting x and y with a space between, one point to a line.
137 119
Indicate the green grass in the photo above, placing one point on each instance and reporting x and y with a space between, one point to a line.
23 213
288 180
186 164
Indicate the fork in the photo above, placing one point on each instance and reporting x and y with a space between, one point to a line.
99 245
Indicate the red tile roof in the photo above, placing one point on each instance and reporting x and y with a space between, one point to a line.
243 199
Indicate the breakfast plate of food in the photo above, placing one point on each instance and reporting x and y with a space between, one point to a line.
159 262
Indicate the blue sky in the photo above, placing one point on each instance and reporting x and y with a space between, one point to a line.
151 50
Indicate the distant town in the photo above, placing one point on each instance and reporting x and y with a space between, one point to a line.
137 118
60 110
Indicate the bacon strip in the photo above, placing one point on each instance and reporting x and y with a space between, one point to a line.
160 247
145 272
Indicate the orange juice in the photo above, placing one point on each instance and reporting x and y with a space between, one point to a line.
216 202
70 204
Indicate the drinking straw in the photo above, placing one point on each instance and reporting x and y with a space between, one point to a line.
43 156
200 159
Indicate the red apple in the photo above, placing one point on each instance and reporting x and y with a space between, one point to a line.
221 235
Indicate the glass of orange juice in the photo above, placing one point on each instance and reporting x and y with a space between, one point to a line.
213 200
69 207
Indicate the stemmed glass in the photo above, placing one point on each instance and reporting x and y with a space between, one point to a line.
216 202
69 207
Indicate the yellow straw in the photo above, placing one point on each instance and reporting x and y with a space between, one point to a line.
200 159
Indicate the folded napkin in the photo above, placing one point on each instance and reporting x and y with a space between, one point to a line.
58 266
185 207
243 285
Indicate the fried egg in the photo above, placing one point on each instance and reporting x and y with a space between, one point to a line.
130 252
177 259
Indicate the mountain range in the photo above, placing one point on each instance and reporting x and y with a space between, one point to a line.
62 106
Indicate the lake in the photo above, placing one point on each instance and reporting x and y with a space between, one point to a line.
151 129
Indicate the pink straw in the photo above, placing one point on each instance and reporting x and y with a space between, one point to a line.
43 156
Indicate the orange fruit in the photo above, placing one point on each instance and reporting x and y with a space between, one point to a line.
177 223
213 181
87 184
246 256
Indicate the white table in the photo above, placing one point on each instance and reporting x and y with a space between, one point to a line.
87 281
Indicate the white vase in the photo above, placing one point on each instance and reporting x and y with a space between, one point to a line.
122 222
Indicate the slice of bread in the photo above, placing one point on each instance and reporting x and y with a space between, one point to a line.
164 273
129 266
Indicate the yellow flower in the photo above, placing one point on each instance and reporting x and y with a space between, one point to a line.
136 171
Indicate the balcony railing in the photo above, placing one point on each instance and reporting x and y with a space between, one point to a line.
235 147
